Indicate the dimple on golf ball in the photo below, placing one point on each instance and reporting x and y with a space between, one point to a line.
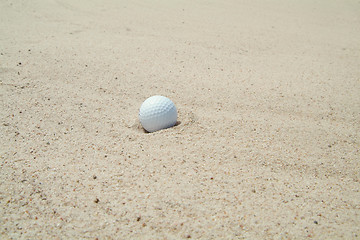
156 113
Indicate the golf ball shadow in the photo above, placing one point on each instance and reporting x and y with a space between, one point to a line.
138 127
176 124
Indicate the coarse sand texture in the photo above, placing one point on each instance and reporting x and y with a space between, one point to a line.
267 136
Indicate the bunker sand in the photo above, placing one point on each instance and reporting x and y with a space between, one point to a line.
267 140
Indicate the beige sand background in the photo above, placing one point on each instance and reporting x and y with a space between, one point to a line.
268 95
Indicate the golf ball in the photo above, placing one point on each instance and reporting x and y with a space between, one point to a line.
156 113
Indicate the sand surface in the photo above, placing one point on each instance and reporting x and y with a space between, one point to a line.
267 145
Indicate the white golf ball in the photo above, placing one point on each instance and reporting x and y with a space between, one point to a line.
156 113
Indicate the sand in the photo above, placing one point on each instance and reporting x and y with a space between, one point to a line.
268 98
